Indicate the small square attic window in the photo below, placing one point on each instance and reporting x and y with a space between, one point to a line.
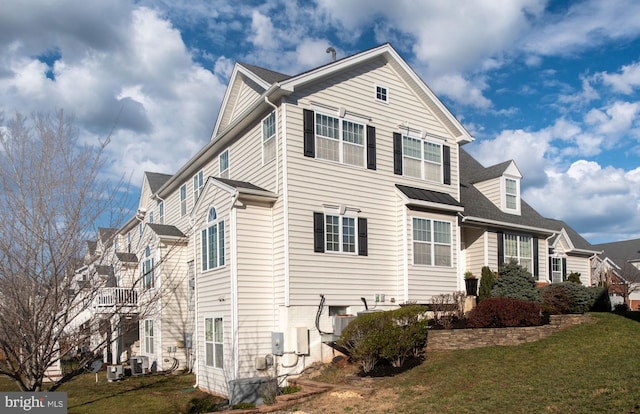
381 93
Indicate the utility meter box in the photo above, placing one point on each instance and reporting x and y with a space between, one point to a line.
277 343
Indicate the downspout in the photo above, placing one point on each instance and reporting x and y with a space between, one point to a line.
273 293
234 285
194 337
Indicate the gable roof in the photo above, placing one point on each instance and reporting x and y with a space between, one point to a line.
579 243
267 75
479 209
156 180
283 85
623 253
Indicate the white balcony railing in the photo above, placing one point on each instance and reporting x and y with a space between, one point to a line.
117 297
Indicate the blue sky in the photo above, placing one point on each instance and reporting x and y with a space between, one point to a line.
554 85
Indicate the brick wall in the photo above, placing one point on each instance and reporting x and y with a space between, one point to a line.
439 340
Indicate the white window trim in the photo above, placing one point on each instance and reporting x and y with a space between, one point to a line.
341 212
422 160
341 141
213 342
432 243
149 349
198 183
269 138
519 255
227 170
183 200
218 223
375 93
503 185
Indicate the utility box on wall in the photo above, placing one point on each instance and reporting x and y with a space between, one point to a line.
277 343
302 340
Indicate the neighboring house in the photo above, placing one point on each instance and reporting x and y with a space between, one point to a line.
319 195
619 267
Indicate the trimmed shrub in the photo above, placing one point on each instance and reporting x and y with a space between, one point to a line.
504 312
407 334
487 281
515 282
392 336
448 309
566 297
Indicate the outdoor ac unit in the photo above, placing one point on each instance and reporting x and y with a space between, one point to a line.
139 365
115 373
340 322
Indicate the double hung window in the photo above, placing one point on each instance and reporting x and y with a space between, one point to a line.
148 271
223 160
520 248
431 242
269 138
213 342
340 140
422 159
148 336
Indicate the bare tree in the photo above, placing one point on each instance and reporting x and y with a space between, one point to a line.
51 196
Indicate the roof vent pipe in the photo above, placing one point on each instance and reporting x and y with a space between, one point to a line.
333 53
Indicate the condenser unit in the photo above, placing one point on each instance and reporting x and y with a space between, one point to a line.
139 365
115 373
340 322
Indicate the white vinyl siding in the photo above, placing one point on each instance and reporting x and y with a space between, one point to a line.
338 141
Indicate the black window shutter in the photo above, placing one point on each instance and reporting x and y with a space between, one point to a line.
550 268
397 153
564 269
446 163
500 236
371 147
309 133
363 248
536 265
318 232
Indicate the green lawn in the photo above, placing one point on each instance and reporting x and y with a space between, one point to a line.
148 394
586 369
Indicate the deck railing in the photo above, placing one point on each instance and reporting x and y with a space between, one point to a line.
117 296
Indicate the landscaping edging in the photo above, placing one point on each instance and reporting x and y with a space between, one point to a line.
440 340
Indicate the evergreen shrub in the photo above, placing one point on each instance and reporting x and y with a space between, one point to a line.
515 282
566 297
601 300
487 281
500 312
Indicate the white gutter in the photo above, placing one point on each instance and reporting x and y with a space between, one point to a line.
480 220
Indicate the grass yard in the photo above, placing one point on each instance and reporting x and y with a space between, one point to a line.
149 394
586 369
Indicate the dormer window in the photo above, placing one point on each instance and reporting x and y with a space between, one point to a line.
511 198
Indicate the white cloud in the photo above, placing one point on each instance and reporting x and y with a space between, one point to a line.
141 82
625 81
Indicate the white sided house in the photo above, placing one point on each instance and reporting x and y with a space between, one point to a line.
339 190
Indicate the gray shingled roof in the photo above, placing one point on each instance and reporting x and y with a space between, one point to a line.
127 257
622 252
239 184
156 180
578 241
267 75
105 235
477 205
427 195
166 230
